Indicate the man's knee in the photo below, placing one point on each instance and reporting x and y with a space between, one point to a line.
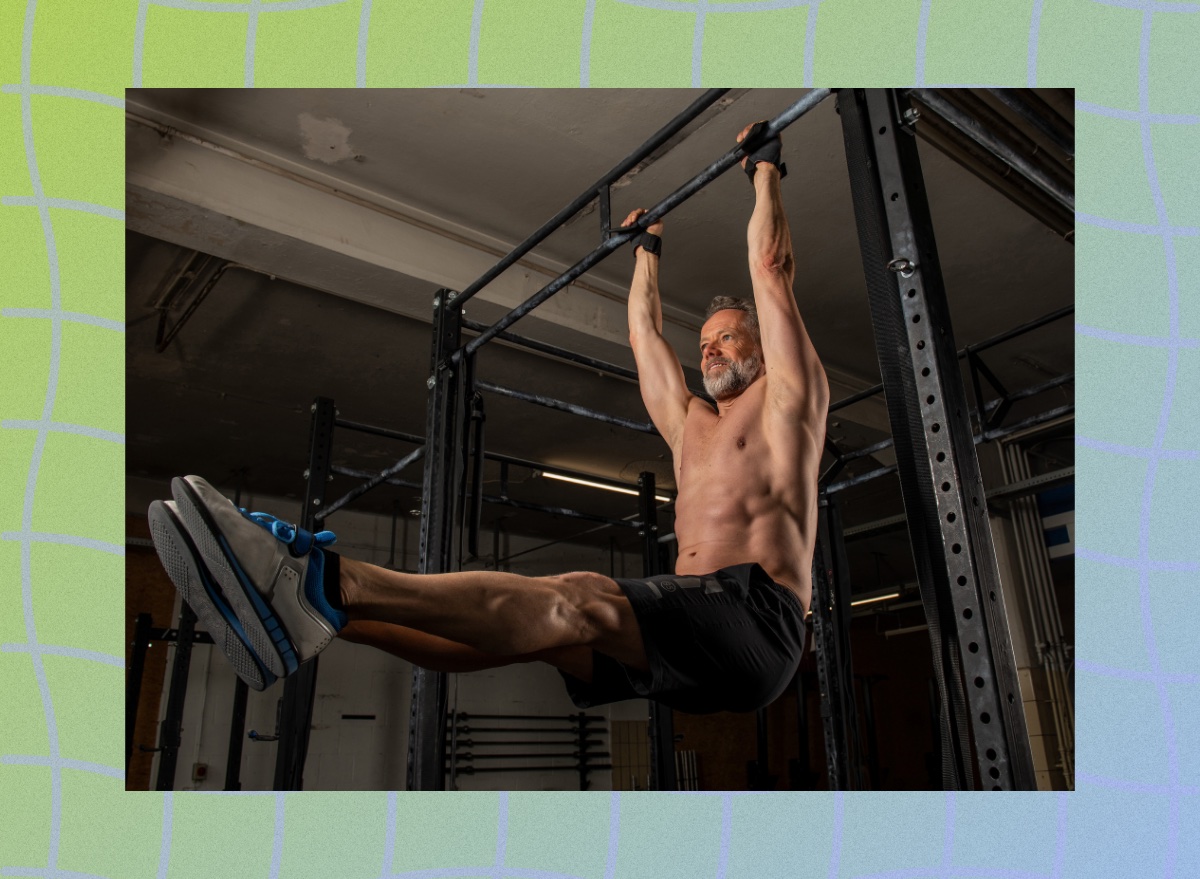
591 605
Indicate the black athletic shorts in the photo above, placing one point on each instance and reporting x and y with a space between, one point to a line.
726 641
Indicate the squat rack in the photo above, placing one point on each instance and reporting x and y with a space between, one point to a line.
936 459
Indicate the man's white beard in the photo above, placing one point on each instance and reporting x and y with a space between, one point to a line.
733 379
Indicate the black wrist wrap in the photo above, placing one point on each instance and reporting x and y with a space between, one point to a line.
767 151
649 243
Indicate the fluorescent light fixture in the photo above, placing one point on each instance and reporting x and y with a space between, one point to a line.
586 482
873 598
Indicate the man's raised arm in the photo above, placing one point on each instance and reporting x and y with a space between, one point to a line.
660 376
796 382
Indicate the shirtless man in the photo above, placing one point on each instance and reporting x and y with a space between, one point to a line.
725 632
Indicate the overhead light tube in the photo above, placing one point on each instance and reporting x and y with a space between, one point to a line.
875 598
591 484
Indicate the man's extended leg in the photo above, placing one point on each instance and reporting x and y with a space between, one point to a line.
440 654
498 613
291 598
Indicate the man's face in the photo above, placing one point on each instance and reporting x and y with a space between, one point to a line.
730 355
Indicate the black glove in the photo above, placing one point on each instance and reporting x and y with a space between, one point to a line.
767 151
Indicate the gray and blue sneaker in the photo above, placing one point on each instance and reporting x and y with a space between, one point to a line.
269 572
198 588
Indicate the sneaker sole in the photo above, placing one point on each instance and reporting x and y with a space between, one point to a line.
182 563
265 632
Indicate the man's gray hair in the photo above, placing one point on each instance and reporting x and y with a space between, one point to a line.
721 303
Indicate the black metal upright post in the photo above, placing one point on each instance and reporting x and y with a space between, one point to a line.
939 472
133 681
171 730
831 631
661 727
299 690
444 435
237 736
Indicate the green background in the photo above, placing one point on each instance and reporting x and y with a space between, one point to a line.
64 65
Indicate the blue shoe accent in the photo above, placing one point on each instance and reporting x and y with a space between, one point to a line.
301 542
270 622
314 590
223 608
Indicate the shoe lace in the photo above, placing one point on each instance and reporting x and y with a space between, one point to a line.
300 540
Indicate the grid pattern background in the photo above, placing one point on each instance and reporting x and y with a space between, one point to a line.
63 67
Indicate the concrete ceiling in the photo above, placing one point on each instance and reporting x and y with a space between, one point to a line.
380 197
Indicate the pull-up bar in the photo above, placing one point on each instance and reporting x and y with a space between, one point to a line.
622 236
599 188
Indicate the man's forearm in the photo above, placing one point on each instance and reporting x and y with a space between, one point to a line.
768 235
645 307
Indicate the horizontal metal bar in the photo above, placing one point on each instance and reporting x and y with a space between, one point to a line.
1034 484
975 130
578 474
1063 379
1033 421
856 398
566 718
657 212
982 345
570 356
618 171
554 350
558 511
1018 330
868 451
989 436
859 480
878 526
566 743
989 406
367 474
498 501
380 431
563 406
466 727
467 756
1017 489
1053 128
413 438
481 770
199 636
375 480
